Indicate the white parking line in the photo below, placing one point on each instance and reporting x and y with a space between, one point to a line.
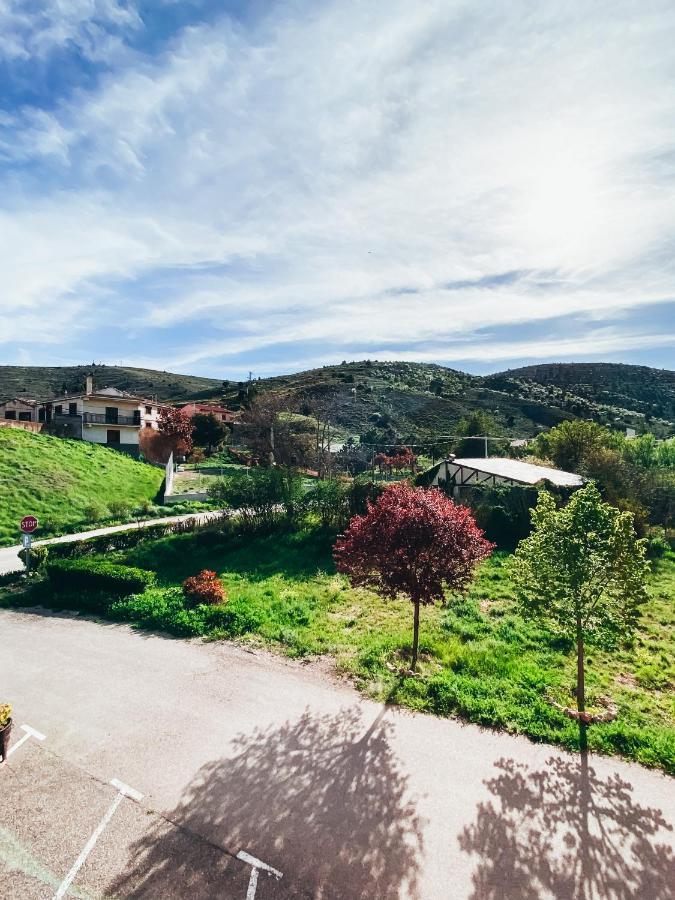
30 732
123 790
256 866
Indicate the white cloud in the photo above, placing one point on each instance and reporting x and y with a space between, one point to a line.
34 32
335 153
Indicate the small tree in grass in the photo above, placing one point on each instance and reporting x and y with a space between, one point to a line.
413 542
584 570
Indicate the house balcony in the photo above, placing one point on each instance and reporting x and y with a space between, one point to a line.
102 419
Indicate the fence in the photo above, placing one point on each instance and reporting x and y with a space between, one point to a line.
168 476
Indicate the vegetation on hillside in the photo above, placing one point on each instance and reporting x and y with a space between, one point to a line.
408 402
611 393
67 483
43 382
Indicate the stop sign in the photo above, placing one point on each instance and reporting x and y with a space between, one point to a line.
28 524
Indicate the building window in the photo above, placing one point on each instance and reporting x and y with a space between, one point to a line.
112 415
148 410
24 417
112 436
58 410
137 417
72 409
41 414
10 414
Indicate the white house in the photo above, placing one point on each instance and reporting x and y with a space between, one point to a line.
494 470
103 416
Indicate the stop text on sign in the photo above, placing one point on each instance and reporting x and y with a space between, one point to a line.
28 524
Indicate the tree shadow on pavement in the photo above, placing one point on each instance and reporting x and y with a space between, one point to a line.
320 799
564 832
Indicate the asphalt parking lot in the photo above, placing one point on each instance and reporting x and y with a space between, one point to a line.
68 834
236 762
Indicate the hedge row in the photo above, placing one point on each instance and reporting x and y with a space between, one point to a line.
97 576
129 538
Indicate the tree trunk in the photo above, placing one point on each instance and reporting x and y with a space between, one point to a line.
416 635
581 687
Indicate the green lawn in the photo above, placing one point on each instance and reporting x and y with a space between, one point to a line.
66 483
480 659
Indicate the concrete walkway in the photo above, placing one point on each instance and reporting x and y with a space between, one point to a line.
10 562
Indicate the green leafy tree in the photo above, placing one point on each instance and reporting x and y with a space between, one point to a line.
262 496
568 444
208 431
477 422
583 570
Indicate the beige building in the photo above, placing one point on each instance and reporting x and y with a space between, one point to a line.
19 410
103 416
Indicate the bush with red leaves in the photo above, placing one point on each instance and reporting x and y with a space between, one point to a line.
204 588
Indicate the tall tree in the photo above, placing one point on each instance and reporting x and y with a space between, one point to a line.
208 431
583 570
275 433
413 542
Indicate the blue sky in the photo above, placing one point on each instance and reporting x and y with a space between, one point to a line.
218 187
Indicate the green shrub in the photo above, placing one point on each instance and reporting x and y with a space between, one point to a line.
119 509
161 609
95 512
38 557
67 575
234 618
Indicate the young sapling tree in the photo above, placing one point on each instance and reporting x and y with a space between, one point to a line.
583 570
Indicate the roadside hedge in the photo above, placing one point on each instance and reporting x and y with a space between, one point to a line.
97 576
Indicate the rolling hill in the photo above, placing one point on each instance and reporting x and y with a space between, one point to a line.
43 382
609 392
408 399
65 482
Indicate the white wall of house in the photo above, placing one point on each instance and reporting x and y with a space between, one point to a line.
98 434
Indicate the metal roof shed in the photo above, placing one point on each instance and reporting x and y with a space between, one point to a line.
467 472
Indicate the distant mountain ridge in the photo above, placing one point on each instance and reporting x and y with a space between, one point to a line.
410 399
43 382
592 390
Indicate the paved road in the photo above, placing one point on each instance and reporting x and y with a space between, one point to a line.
237 751
10 562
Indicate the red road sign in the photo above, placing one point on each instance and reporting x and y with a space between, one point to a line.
28 524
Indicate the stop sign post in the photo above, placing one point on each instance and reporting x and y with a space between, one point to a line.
28 525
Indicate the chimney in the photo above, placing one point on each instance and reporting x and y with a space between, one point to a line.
89 385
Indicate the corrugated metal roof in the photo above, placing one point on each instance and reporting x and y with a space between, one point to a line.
516 470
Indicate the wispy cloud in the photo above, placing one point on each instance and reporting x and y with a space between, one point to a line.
348 175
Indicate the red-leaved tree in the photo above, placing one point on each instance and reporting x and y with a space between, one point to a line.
414 542
177 427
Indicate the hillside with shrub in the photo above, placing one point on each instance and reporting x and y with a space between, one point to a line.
611 393
67 483
405 400
44 382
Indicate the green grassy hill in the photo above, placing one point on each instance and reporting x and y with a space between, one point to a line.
42 382
62 482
